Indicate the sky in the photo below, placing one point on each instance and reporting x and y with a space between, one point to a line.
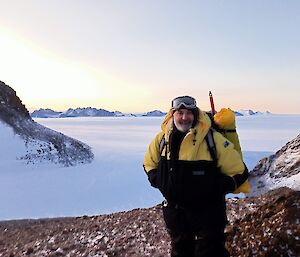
136 55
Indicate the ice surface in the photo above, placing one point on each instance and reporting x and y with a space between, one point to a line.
115 180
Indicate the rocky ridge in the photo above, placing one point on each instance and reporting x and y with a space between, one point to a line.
278 170
43 144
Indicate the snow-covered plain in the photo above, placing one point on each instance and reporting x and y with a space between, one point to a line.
115 180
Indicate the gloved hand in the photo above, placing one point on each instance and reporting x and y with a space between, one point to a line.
227 184
152 177
230 183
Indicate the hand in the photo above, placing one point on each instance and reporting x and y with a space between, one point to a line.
227 183
152 177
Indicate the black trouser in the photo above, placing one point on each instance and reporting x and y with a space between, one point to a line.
199 245
193 235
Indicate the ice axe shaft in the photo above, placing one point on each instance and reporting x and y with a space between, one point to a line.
211 99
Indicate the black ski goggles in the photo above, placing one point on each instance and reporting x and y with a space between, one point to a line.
187 102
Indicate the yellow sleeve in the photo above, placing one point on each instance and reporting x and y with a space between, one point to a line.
230 161
244 188
152 155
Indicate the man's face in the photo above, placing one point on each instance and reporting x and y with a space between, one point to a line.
183 119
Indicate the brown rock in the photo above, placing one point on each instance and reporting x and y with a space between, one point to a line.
259 226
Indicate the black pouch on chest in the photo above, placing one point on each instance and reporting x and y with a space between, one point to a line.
196 182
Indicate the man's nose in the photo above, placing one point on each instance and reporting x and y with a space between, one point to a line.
184 116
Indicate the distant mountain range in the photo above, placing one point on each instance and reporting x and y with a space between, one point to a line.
249 112
93 112
78 112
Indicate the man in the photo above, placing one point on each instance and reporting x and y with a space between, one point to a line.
181 164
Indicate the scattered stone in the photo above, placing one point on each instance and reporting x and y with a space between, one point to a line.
263 226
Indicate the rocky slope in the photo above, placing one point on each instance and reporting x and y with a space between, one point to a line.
268 225
277 170
43 144
265 226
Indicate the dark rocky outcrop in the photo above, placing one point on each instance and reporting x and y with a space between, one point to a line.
268 225
43 144
277 170
11 107
259 227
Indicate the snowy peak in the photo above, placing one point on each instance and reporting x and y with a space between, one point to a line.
246 112
78 112
41 144
155 113
278 170
45 113
90 112
86 112
249 112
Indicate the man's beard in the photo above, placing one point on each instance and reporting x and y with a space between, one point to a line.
183 127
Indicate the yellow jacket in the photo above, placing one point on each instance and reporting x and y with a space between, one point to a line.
194 148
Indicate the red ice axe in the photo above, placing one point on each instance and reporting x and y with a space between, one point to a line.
211 99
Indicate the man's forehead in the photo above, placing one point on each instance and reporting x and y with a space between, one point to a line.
184 110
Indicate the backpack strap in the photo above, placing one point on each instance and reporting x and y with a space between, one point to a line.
226 130
162 144
211 144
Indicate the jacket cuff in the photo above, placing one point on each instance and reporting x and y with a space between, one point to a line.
240 179
152 177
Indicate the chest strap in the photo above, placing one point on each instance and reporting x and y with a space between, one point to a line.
211 144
